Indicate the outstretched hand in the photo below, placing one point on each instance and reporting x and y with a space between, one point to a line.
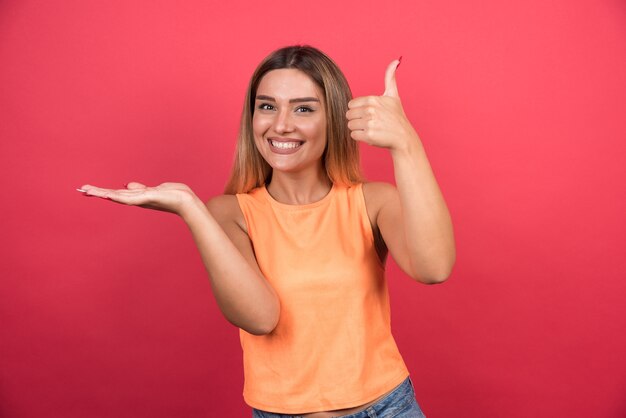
168 197
380 120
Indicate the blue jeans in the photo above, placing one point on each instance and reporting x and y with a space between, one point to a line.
399 403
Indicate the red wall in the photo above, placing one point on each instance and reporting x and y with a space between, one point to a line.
105 311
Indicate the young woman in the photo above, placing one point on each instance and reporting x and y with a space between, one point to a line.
296 247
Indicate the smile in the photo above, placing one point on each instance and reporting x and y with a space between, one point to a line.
284 145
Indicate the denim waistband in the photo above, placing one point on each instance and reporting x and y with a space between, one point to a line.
393 404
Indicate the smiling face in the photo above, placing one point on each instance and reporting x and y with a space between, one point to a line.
289 121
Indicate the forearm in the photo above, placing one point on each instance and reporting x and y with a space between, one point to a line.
242 294
427 224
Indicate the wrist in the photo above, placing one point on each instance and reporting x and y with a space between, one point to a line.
190 206
411 146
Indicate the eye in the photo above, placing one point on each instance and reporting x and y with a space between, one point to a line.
265 106
304 109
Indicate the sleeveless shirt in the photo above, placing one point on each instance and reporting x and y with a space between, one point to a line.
332 347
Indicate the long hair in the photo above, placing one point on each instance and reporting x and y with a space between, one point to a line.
341 156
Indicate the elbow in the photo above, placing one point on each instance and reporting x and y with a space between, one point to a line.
436 275
432 278
432 267
263 324
264 328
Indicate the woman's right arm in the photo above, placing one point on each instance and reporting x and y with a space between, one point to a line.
242 293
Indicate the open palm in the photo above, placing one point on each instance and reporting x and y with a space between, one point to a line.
168 197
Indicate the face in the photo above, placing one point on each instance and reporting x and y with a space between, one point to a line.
289 121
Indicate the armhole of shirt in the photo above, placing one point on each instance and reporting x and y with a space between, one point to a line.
243 205
365 219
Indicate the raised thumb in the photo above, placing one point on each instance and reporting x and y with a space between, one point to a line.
391 88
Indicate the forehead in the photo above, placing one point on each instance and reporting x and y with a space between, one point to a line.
288 83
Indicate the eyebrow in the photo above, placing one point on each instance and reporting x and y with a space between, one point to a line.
296 100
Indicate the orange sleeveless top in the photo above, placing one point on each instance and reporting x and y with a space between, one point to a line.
332 347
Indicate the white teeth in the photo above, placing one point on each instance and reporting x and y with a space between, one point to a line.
284 145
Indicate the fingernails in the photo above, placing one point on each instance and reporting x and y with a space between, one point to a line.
399 62
81 190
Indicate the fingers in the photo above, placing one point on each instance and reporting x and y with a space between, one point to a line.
360 124
133 185
361 135
363 101
391 88
131 196
360 112
89 190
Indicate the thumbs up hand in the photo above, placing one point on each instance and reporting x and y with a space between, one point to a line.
380 120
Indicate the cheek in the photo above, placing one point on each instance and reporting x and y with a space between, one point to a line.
318 129
259 125
258 131
314 128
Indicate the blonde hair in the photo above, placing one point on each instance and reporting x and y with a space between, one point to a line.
341 156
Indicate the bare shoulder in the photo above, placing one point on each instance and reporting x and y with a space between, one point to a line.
376 194
225 209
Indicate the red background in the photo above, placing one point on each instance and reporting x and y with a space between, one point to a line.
106 311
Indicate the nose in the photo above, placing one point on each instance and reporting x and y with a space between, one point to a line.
283 122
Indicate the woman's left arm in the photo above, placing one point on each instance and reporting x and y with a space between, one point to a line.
413 218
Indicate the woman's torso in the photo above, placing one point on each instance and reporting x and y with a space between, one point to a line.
322 261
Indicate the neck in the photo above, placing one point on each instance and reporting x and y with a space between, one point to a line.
298 188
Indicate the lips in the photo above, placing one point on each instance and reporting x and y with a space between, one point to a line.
284 145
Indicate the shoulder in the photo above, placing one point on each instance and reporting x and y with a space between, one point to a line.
222 205
225 209
378 188
376 194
